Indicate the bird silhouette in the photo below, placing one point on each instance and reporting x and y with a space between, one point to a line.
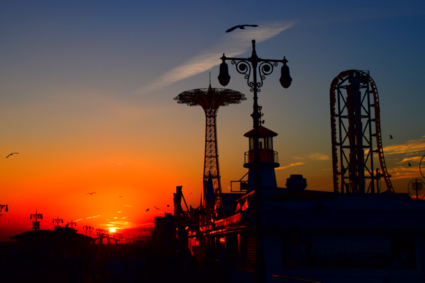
168 205
410 164
156 207
391 137
240 27
147 209
12 154
91 193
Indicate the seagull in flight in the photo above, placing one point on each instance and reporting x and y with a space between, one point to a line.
147 209
410 164
91 193
168 205
240 27
12 154
391 137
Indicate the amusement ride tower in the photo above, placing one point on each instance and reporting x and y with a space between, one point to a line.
356 124
210 99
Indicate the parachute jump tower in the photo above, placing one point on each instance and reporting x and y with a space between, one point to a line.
355 123
210 99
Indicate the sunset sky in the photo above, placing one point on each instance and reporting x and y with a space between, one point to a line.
87 88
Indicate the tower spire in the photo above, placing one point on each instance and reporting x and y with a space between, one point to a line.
211 99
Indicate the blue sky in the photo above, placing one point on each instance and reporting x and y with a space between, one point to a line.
89 83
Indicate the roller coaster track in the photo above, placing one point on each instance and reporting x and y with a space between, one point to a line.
339 79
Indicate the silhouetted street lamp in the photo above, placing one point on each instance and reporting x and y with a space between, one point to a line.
72 224
99 232
35 223
248 67
88 229
58 221
3 207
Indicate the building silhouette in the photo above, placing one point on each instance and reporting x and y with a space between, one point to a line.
315 235
55 242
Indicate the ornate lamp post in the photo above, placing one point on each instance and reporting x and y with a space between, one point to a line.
88 229
35 223
101 234
58 221
246 67
5 207
72 224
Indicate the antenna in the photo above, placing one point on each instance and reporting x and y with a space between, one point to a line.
210 79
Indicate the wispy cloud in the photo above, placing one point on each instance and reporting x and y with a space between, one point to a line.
290 165
232 44
78 220
403 172
409 147
93 216
119 211
319 156
416 158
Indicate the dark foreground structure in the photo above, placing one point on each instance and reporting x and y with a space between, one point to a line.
123 263
311 235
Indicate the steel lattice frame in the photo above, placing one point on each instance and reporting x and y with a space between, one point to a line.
355 117
210 99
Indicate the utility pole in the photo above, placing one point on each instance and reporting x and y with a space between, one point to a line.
35 223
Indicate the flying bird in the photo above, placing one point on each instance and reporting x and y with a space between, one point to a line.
12 154
410 164
240 27
168 205
91 193
147 209
391 137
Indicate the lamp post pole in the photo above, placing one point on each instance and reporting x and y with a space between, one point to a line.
88 229
36 224
72 224
246 67
58 222
3 206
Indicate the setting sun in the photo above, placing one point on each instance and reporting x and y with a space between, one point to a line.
112 230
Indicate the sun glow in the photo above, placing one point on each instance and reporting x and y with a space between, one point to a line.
112 230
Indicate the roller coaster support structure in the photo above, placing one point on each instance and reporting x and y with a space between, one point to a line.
354 109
